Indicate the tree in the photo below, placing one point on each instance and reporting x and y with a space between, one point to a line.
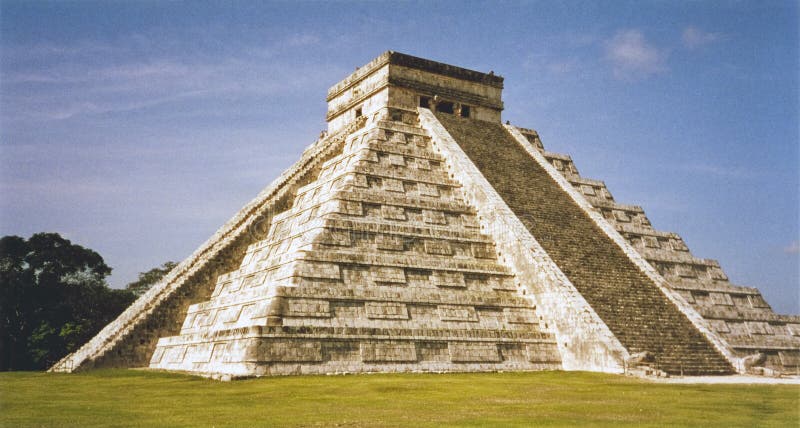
53 298
149 278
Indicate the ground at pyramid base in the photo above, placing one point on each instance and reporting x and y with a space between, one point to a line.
420 234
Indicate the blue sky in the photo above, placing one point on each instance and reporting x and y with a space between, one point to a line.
138 128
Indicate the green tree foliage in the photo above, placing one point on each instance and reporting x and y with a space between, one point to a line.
149 278
53 298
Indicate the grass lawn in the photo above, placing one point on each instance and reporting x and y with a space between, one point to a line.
138 398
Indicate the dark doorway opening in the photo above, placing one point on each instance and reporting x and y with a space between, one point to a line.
445 107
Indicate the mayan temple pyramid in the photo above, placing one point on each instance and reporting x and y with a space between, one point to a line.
420 234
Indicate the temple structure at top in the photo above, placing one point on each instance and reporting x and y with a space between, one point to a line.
404 82
422 234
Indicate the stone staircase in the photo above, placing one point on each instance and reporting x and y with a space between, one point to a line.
632 306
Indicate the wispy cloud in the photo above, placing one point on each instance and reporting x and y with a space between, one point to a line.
109 106
792 248
693 38
633 57
89 83
59 187
38 51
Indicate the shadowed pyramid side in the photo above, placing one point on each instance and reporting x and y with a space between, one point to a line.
738 314
633 307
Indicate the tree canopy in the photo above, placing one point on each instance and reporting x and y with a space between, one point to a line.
149 278
53 298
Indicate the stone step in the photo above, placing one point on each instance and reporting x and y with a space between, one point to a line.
494 336
408 150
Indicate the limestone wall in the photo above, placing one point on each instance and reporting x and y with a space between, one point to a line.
378 266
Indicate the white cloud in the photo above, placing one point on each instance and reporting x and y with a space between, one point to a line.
633 57
694 37
793 248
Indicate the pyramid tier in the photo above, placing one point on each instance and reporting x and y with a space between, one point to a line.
378 266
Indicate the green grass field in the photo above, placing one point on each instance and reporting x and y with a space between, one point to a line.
138 398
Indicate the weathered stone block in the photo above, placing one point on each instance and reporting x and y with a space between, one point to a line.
426 189
501 284
336 237
396 160
231 315
389 242
391 212
255 280
389 274
470 221
520 316
650 242
789 358
349 208
220 352
389 352
483 251
199 353
307 308
157 356
393 185
755 327
466 352
176 354
457 313
398 138
433 217
436 247
359 180
686 271
318 270
289 351
448 279
721 299
543 353
621 216
386 310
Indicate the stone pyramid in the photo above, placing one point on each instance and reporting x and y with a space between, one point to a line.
421 234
